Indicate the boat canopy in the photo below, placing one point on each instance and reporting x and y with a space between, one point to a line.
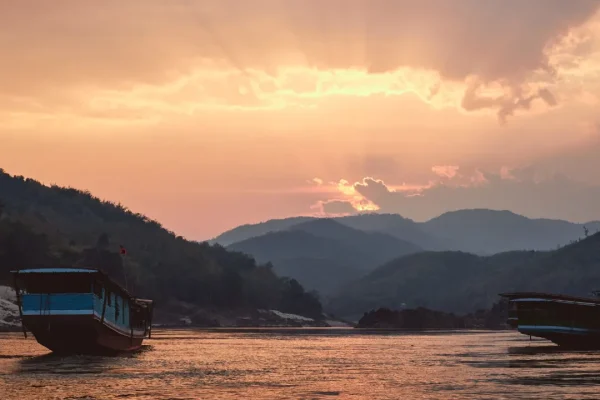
529 296
36 273
56 271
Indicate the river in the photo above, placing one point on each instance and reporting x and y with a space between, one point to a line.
305 364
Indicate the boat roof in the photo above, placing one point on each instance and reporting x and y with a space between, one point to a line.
36 271
56 271
548 296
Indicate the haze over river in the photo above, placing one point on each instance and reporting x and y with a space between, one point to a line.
305 364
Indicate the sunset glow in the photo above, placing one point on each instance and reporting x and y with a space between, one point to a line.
210 114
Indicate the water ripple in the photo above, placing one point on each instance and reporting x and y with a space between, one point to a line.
306 364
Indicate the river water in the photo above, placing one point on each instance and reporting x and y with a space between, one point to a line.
305 364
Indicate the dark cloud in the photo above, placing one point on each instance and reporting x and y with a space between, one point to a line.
337 207
555 197
547 96
490 39
506 104
373 190
78 42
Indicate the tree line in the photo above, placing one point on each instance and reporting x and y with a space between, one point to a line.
42 226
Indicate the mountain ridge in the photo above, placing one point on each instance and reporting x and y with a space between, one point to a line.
322 251
444 231
455 281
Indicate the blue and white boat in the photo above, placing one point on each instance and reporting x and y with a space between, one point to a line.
81 311
568 321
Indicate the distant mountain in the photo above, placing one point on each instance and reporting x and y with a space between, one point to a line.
298 244
483 231
318 263
248 231
461 282
379 247
323 254
419 280
477 231
394 225
391 224
326 276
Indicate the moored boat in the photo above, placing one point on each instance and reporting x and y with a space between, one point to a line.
81 311
568 321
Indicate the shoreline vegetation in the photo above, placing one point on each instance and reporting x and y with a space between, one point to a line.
425 319
182 316
50 226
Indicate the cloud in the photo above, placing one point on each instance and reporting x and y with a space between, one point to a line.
521 190
74 46
335 208
351 202
445 171
547 96
374 190
507 103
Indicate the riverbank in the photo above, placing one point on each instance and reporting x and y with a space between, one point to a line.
422 318
186 315
9 311
180 315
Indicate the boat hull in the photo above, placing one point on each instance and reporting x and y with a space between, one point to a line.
81 311
80 334
568 321
575 338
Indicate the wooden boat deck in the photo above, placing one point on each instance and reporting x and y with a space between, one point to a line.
549 296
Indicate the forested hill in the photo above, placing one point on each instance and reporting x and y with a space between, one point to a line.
323 254
460 282
48 226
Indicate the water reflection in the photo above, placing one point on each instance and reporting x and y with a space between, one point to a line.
73 364
537 350
318 364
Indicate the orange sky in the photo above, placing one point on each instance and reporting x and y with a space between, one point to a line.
208 114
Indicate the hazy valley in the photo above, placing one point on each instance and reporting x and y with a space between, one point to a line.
457 262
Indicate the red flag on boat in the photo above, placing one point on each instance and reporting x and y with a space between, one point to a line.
122 250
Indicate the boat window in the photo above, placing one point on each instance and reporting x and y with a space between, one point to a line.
117 311
137 316
56 283
98 289
109 298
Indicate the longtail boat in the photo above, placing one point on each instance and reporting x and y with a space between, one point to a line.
81 311
568 321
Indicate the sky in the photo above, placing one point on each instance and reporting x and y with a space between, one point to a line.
209 114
